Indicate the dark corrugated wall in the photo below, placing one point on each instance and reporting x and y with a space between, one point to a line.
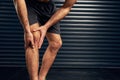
91 35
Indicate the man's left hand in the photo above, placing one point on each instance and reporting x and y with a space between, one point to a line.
43 31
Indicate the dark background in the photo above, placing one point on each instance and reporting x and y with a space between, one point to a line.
90 33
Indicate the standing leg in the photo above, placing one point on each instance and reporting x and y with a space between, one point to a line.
32 55
55 43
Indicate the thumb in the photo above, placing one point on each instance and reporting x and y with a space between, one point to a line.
36 29
32 44
41 41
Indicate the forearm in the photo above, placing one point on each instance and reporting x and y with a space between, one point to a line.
57 16
22 14
60 13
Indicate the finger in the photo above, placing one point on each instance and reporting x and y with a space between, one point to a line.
26 44
36 29
41 40
36 43
32 44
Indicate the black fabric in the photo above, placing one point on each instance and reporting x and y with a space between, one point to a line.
41 12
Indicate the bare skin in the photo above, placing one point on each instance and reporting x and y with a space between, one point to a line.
34 36
32 54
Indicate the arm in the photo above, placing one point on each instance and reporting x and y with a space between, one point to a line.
22 14
21 10
60 13
57 16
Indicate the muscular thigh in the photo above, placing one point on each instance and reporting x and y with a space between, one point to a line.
36 35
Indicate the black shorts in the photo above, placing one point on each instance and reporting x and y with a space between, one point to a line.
41 12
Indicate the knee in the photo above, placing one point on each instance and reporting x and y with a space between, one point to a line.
55 45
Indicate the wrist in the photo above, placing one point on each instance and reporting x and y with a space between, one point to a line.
46 26
27 29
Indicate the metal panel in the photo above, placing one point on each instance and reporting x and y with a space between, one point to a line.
90 33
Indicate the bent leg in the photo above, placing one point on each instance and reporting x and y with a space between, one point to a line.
55 43
32 55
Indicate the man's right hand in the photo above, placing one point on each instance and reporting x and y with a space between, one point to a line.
29 41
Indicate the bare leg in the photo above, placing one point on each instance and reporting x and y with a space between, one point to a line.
32 56
55 43
32 63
